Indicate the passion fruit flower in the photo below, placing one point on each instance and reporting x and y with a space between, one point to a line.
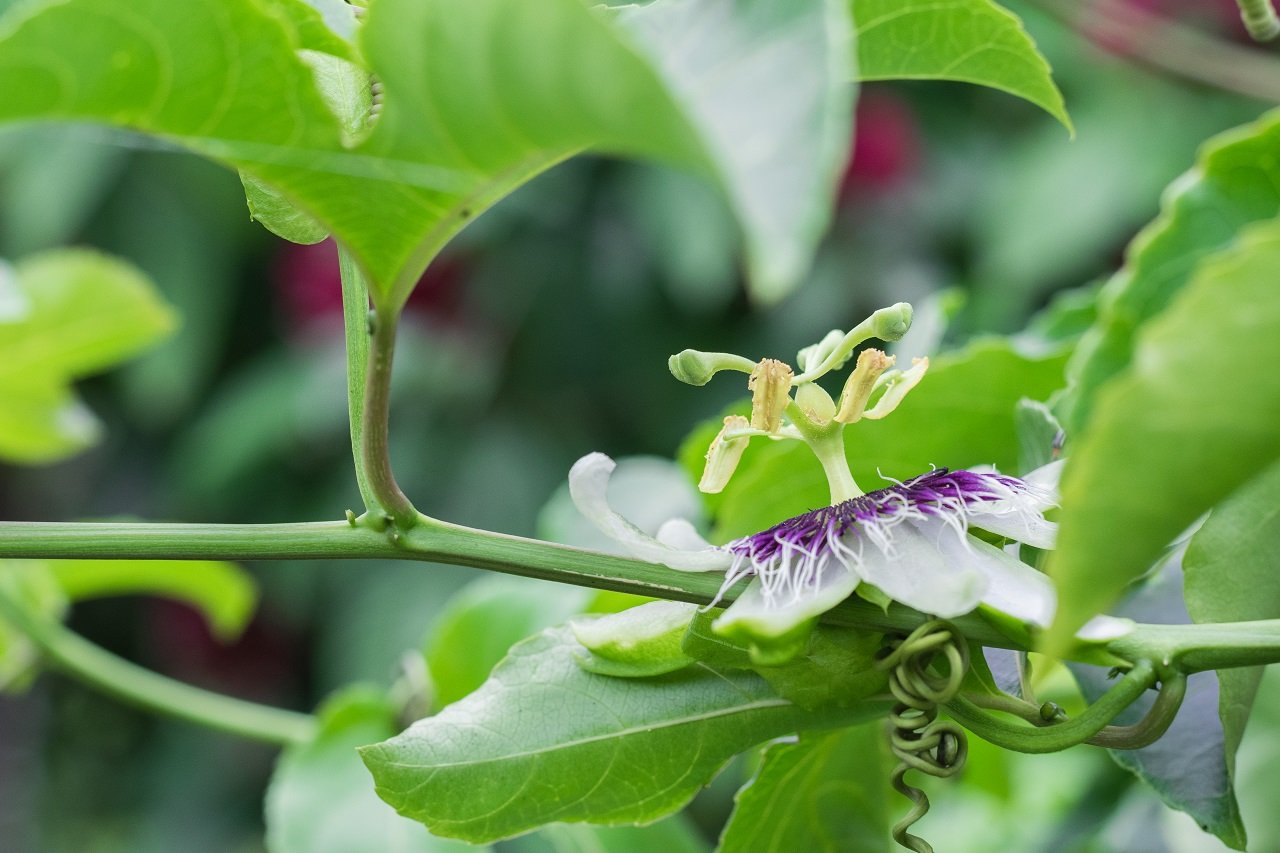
909 542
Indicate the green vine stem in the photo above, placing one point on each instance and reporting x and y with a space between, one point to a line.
429 541
1184 648
1173 689
1148 730
1060 736
374 420
135 685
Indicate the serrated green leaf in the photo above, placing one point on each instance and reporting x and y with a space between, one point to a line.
1230 568
1236 181
223 592
543 741
961 414
319 800
1189 421
484 620
479 97
824 792
66 314
972 41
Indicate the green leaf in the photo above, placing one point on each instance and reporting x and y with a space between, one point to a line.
30 584
761 107
66 314
1189 421
1236 181
325 26
484 620
223 592
973 41
544 741
826 791
319 800
1230 569
973 392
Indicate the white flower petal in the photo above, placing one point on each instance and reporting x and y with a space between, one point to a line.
913 571
1046 477
1013 587
1004 519
680 533
757 614
589 487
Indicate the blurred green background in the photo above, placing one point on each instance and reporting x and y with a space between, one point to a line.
540 335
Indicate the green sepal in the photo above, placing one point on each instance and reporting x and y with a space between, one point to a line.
636 643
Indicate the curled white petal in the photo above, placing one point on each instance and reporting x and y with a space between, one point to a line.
589 488
681 534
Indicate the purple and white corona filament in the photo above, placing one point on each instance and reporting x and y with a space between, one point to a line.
910 540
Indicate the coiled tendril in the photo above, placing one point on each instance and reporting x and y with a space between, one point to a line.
917 737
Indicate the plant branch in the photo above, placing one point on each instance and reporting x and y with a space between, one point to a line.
1164 45
1181 648
1060 736
76 656
428 541
1148 730
385 492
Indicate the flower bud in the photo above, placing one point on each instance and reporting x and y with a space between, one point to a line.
890 324
723 456
860 384
899 383
696 368
770 386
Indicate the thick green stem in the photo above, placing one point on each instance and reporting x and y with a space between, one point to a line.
429 541
1196 648
355 322
830 452
1060 736
1182 648
827 443
130 683
374 433
1148 730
